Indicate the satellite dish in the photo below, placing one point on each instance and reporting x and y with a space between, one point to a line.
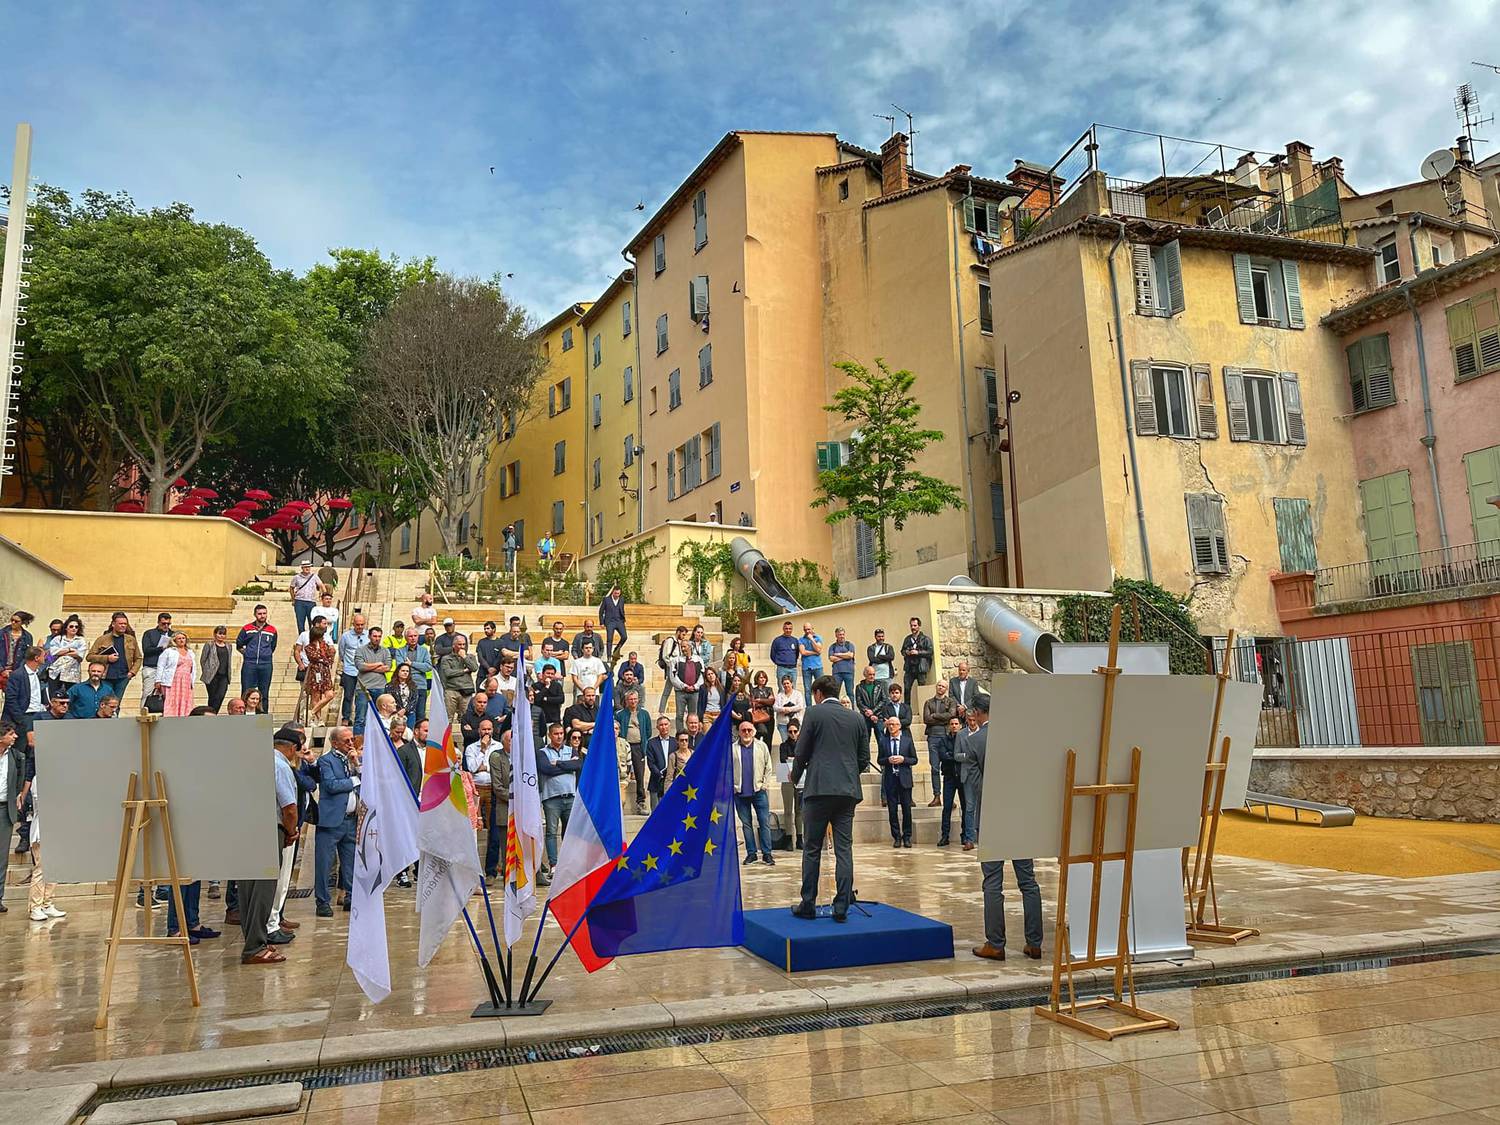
1438 164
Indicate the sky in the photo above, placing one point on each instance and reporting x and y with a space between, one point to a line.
517 138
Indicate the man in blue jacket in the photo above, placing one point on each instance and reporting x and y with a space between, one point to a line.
257 647
785 653
338 797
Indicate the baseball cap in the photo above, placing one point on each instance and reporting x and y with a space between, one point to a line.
447 621
290 735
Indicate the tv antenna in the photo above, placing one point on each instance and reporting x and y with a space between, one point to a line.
1466 109
889 119
1488 66
911 135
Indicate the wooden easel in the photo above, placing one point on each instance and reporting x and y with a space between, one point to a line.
144 792
1202 899
1136 1018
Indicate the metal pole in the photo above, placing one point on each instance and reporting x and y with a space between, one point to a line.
1015 504
10 296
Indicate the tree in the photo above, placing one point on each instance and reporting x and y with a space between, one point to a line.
161 325
877 484
444 363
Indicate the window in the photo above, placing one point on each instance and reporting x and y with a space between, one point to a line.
1206 535
1387 262
1171 397
598 477
510 479
567 343
559 397
559 458
1474 336
653 400
986 314
1264 406
625 317
714 459
832 455
406 538
698 298
464 481
982 216
1294 534
991 396
653 475
1482 474
1447 694
629 450
1371 384
507 425
864 550
598 410
659 249
844 188
1158 279
690 464
671 474
997 515
661 333
1268 291
463 529
598 349
557 517
674 389
1442 251
597 531
700 221
628 379
716 513
705 365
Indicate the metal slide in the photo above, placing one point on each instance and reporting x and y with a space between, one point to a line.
1013 635
756 570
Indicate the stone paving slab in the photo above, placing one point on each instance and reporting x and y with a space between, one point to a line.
52 1105
216 1105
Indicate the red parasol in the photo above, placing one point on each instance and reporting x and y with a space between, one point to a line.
257 494
339 504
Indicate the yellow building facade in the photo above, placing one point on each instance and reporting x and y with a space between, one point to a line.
535 480
1197 435
613 415
729 299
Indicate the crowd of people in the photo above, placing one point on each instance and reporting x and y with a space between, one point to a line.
370 675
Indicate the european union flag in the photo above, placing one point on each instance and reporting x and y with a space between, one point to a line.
678 884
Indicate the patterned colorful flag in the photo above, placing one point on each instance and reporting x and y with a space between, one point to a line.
523 835
449 871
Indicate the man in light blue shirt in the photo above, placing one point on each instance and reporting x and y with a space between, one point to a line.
557 768
810 649
351 641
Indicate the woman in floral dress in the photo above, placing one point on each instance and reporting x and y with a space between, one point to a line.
319 681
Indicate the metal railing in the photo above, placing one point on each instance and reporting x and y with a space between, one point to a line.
1425 572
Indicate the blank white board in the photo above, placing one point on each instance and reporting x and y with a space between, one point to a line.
220 783
1035 720
1239 720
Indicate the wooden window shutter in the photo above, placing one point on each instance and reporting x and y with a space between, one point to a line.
1461 340
1358 394
1380 386
671 474
997 515
1234 404
1291 405
1291 276
1244 289
1145 280
1205 517
1172 258
1487 329
698 296
714 455
1203 398
659 248
552 400
567 392
969 212
1145 400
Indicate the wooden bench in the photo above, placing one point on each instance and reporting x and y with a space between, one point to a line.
138 603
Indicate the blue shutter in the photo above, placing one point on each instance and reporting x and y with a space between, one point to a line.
1244 289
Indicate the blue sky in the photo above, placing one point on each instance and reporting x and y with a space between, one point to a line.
376 124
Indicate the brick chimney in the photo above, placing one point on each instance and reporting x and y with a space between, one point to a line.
894 173
1299 165
1331 169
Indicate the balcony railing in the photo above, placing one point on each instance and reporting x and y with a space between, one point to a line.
1424 572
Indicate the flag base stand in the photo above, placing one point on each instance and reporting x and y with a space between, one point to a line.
489 1011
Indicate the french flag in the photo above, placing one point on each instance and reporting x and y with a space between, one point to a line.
595 838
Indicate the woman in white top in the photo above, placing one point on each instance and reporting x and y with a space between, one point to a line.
66 652
710 696
787 705
703 648
176 674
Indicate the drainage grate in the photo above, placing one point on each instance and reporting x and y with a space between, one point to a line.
487 1058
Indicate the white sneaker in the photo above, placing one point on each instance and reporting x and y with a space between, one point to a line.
39 915
53 912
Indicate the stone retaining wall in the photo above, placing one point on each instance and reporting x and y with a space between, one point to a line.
1462 789
958 639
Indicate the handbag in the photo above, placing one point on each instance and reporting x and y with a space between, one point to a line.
155 703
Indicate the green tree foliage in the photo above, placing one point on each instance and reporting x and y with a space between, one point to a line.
158 326
627 567
1147 613
878 484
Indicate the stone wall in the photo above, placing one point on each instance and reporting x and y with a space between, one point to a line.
1428 788
957 638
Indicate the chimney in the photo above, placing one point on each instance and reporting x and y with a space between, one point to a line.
1331 169
1300 168
893 170
1462 152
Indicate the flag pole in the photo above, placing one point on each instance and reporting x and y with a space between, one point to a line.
567 941
494 935
484 962
536 942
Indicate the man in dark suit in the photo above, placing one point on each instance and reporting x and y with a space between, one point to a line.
897 756
26 693
832 751
896 707
916 657
17 769
993 884
658 750
612 620
338 791
963 688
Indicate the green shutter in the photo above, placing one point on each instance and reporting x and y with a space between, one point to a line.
1390 522
1461 341
1244 289
1357 395
1482 468
1291 276
1294 534
1171 255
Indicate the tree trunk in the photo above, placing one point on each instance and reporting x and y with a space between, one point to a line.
384 533
156 490
884 561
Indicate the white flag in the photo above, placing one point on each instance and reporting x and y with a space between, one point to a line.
450 869
523 837
387 846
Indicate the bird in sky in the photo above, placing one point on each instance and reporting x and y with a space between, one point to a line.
492 169
641 206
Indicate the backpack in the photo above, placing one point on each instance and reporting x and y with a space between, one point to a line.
661 653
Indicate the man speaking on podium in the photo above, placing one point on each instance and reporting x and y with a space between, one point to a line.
833 750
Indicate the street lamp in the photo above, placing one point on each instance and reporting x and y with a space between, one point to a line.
633 493
1008 447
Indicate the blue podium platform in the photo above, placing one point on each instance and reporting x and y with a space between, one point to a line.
888 934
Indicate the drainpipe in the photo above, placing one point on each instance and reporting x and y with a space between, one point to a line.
1135 468
1429 437
640 395
963 387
